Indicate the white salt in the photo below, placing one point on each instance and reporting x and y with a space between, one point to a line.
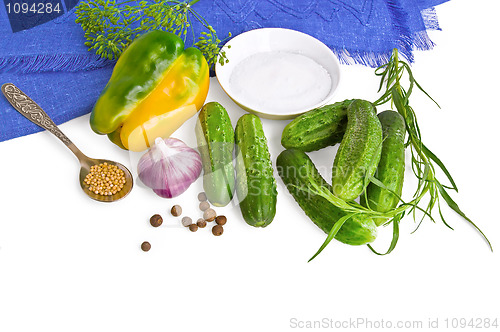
279 82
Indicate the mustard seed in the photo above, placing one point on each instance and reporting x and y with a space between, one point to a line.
176 210
221 220
209 215
201 223
204 206
156 220
217 230
146 246
193 227
103 178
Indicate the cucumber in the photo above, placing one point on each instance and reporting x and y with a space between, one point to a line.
215 136
298 172
255 183
359 152
317 129
391 168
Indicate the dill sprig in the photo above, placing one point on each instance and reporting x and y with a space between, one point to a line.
110 26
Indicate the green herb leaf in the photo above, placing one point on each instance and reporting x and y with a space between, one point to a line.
454 206
395 236
434 158
111 26
336 227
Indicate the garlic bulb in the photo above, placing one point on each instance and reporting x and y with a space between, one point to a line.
169 167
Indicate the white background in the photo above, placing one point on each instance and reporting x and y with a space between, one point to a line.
68 263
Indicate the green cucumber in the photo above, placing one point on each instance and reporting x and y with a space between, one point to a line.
255 183
317 129
298 173
215 136
359 152
391 168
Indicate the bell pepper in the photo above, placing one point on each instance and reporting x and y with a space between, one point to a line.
155 87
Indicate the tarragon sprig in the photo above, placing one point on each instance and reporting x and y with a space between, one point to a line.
353 208
423 161
110 26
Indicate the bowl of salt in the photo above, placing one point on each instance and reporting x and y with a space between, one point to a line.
278 73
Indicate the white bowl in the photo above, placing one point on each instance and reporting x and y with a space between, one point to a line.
277 41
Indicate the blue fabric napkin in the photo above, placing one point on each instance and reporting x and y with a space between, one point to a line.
38 42
45 54
358 31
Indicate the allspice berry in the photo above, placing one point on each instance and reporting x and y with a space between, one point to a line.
204 206
217 230
156 220
145 246
193 227
209 215
221 220
202 196
186 221
201 223
176 210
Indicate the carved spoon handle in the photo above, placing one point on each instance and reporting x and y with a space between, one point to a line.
30 110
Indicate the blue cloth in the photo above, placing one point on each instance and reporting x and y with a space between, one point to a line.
44 54
358 31
31 44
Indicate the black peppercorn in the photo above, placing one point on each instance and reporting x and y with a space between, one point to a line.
201 223
156 220
204 206
186 221
202 197
221 220
209 215
176 210
145 246
217 230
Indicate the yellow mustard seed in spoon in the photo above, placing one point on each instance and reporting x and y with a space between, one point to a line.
104 179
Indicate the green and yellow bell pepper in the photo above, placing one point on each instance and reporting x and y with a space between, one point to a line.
155 87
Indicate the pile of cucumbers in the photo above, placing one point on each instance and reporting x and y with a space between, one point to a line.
370 145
